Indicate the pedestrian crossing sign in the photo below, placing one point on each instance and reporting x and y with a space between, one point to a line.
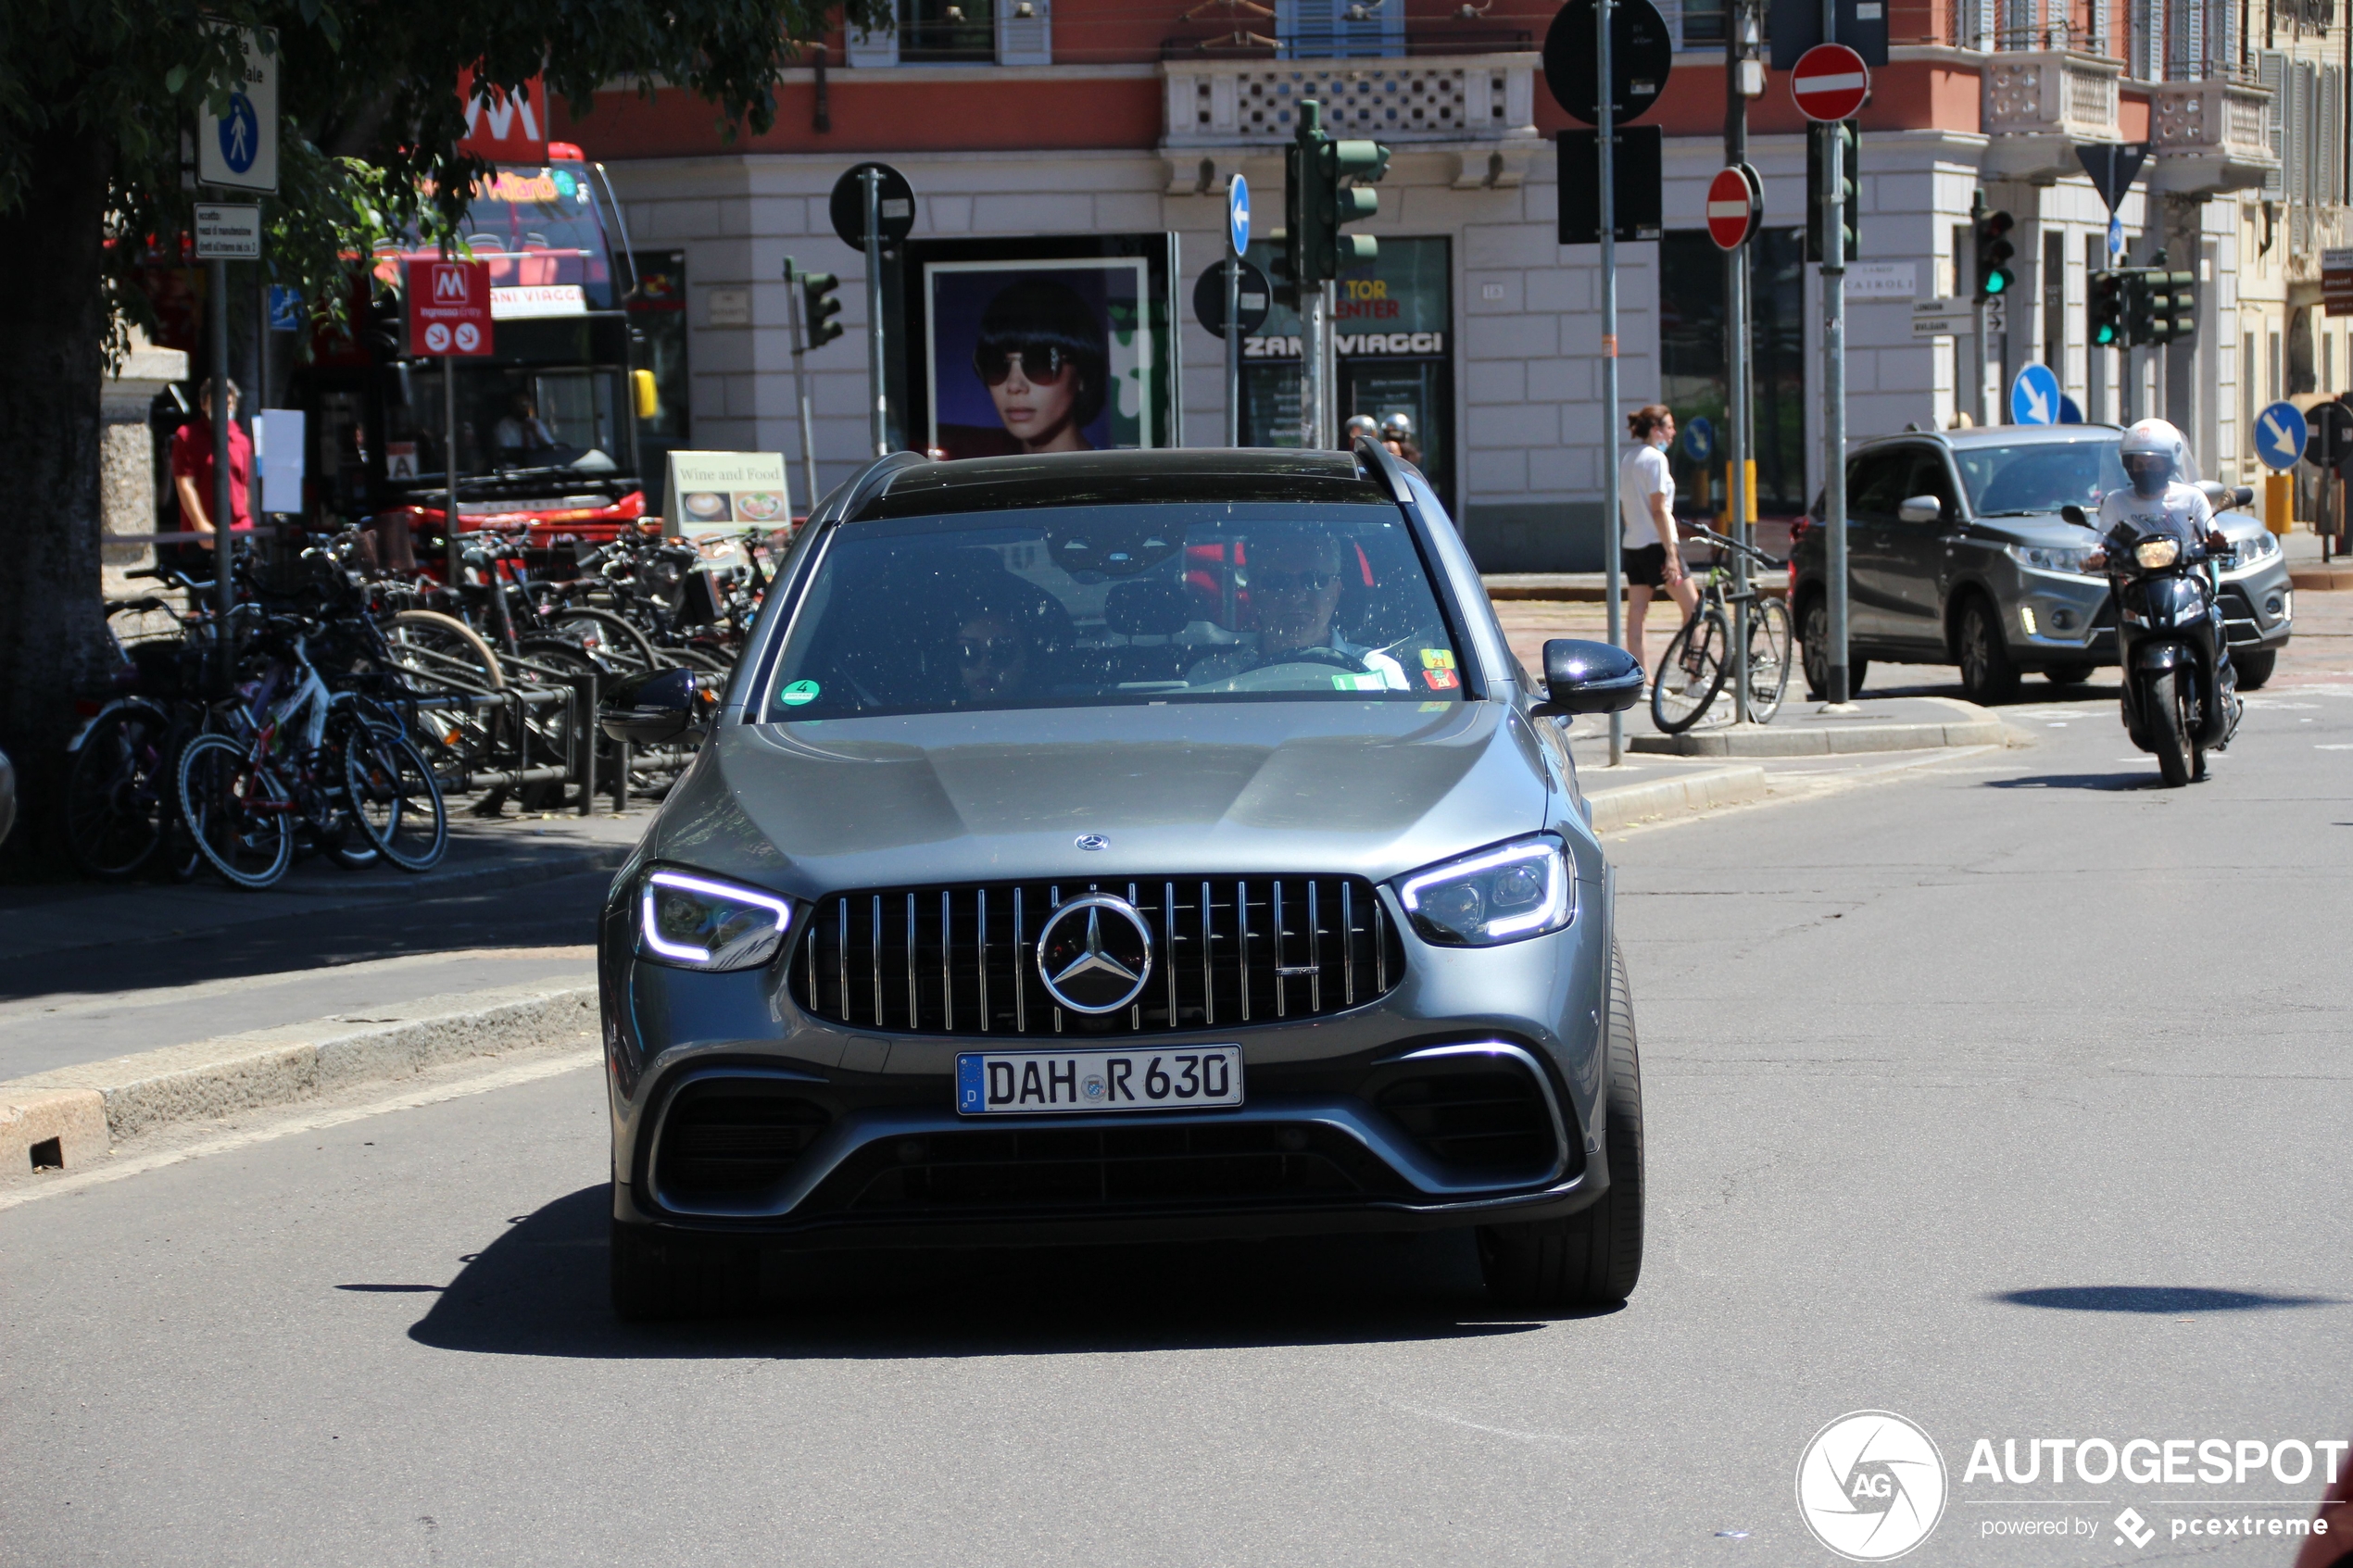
237 127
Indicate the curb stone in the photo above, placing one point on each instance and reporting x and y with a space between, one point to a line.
1970 725
1694 792
93 1105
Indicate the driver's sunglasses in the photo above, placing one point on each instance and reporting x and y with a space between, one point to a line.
1042 364
991 650
1277 581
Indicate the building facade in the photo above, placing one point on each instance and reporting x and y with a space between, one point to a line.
1102 139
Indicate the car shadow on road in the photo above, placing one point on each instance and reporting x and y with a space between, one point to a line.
539 1289
2165 1300
2080 781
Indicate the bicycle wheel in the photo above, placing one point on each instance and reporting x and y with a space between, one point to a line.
241 816
394 800
444 650
1768 658
116 793
606 635
1692 673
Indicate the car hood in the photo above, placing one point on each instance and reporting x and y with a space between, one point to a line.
2046 529
1176 789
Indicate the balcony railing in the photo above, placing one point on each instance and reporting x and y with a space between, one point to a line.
2039 105
1227 103
2208 137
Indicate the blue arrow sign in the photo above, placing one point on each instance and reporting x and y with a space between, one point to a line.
1238 214
1699 439
2280 435
2068 413
285 308
2034 397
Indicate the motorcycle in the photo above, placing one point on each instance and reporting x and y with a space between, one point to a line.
2171 643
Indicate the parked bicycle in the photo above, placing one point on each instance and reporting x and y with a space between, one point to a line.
1695 672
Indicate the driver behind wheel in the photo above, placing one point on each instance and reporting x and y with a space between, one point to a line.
1293 580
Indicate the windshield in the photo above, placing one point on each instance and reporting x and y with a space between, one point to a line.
2038 477
539 230
1092 605
510 417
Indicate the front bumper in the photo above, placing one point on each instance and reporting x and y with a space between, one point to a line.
854 1139
2053 617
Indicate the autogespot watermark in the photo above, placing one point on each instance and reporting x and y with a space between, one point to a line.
1872 1484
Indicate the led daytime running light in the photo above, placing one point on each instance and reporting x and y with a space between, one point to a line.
687 952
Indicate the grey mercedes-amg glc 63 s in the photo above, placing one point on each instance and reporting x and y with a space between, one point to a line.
1116 846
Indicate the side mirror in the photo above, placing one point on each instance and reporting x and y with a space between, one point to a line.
1581 677
656 708
1921 509
2074 514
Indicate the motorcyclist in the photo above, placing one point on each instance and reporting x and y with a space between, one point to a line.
2163 501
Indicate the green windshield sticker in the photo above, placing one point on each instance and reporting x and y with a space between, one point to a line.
1356 683
798 693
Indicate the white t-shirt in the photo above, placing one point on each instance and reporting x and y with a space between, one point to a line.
1642 475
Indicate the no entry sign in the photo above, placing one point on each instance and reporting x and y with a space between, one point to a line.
449 308
1732 209
1830 83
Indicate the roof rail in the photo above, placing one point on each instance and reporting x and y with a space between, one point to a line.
868 481
1383 463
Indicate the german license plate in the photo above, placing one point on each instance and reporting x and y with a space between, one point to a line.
1028 1083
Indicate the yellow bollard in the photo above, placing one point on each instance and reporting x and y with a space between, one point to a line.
1750 465
2279 502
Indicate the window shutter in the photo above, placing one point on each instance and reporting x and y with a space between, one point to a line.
1025 41
2270 66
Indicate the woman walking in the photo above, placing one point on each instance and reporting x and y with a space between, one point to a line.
1646 524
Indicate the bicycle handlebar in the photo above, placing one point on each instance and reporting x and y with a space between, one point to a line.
1729 542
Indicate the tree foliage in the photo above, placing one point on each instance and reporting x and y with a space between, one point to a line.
367 96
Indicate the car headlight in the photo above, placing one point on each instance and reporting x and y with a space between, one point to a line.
2052 557
2254 548
695 923
1514 890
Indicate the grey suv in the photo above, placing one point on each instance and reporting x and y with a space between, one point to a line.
1956 554
1113 845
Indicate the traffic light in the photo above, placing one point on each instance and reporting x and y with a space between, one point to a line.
1282 269
1316 202
2172 306
819 308
1360 164
1818 137
1993 253
2140 316
2107 311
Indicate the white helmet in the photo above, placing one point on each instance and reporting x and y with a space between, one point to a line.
1363 425
1398 426
2155 456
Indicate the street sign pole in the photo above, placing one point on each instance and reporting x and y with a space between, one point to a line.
449 472
800 388
1233 346
1613 560
1835 388
873 181
1736 348
224 517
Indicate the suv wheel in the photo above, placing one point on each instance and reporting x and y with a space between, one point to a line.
1987 674
1812 652
1593 1257
2254 669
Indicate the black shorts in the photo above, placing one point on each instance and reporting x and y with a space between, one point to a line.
1645 568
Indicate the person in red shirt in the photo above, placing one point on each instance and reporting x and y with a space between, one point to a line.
192 475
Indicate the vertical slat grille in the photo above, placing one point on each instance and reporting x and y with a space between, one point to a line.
947 961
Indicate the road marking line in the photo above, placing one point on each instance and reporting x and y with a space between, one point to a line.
1476 1426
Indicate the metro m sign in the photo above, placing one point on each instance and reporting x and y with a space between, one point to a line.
449 308
501 126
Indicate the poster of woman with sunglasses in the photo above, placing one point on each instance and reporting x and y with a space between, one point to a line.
1037 356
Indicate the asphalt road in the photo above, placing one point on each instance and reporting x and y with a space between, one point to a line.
2008 1095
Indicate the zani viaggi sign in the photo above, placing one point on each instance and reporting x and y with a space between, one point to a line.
1872 1484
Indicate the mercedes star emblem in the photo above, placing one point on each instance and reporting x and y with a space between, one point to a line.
1095 953
1093 841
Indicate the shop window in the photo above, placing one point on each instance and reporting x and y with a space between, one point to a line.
1693 374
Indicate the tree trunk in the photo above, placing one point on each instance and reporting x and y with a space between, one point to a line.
53 642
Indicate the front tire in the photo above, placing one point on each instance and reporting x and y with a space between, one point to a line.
1690 672
2177 757
1987 674
1593 1257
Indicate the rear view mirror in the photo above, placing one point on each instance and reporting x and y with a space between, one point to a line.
1581 677
2074 514
1921 509
656 708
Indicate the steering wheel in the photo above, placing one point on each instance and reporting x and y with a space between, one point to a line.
1332 657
